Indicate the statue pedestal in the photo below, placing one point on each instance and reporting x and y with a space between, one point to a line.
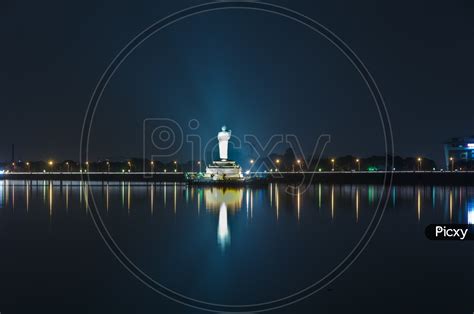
224 170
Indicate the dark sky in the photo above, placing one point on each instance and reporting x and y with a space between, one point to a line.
255 72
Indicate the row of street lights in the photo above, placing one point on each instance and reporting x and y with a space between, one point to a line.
357 162
252 161
129 163
298 162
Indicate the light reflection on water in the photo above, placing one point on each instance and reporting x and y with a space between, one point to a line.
470 212
448 204
225 237
453 198
223 234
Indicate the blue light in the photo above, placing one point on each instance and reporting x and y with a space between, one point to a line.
470 215
470 212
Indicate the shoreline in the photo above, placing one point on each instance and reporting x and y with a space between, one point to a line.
465 178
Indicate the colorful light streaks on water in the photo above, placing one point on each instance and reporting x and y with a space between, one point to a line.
456 203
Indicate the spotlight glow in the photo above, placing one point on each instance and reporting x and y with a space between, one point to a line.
470 215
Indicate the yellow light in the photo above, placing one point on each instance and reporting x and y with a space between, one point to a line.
27 163
451 158
419 159
298 161
175 162
278 161
357 160
251 161
50 162
152 163
87 162
332 160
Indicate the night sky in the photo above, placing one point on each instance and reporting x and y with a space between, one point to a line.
255 72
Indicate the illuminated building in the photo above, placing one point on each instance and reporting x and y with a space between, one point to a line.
461 149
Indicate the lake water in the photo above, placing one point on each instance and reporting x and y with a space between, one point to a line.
232 246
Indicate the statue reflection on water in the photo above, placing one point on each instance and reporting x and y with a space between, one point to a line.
223 201
223 234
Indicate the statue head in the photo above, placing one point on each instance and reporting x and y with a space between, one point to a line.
224 128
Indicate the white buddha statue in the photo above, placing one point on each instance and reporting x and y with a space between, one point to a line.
223 138
223 169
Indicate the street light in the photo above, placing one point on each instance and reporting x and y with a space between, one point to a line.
152 165
13 166
419 163
87 166
277 162
358 163
452 163
67 164
108 166
50 163
175 166
333 163
28 166
199 164
298 161
129 166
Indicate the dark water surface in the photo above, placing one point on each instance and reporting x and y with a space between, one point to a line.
234 246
